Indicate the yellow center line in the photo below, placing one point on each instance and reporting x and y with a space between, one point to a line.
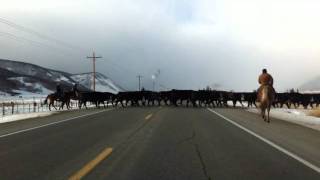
148 117
91 165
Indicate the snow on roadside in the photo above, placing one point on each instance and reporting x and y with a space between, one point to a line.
297 116
18 117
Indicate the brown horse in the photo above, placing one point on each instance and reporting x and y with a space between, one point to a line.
267 95
64 99
51 97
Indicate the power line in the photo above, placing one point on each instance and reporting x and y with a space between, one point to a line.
31 42
40 35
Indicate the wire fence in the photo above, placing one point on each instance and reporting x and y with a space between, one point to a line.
28 105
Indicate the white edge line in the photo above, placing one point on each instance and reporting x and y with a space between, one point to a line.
294 156
50 124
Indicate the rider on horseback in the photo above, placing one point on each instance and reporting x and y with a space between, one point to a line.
75 87
59 91
265 79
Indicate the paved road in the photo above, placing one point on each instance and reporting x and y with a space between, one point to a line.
158 143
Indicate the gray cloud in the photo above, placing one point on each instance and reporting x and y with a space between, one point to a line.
194 43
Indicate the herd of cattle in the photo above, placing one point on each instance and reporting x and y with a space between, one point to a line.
201 98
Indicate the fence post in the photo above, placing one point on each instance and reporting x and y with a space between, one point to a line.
3 110
41 104
12 107
34 106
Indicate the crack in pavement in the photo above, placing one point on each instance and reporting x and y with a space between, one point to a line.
197 149
188 138
204 167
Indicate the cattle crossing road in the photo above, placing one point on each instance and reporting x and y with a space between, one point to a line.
158 143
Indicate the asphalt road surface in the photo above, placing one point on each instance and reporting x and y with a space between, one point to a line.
158 143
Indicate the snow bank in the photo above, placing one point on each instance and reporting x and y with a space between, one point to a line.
298 116
17 117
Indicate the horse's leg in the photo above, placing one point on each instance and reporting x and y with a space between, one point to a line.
54 106
263 113
269 113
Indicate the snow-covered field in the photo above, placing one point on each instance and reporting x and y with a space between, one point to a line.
297 116
17 117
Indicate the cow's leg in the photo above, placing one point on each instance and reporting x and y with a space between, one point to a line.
241 103
255 104
85 104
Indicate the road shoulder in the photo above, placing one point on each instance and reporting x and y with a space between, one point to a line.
300 140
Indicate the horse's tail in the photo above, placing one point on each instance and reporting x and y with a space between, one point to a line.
46 100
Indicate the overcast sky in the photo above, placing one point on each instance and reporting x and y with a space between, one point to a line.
194 43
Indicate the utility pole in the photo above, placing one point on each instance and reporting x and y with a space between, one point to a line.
94 57
139 77
153 77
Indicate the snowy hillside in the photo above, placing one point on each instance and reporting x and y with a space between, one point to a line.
19 78
103 83
32 70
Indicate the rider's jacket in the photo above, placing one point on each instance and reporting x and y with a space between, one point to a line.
265 79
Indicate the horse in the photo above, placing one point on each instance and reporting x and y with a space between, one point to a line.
65 99
51 97
267 96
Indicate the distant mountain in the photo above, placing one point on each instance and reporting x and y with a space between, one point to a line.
103 83
20 78
313 85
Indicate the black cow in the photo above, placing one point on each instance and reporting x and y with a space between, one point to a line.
250 98
177 97
95 98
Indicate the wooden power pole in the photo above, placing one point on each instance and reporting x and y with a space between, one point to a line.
139 77
94 57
